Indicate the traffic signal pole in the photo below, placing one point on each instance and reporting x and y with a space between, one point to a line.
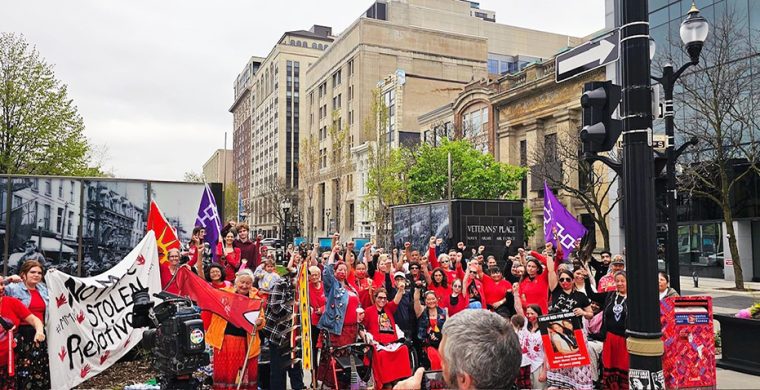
643 328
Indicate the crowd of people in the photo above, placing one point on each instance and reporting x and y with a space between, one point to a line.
455 310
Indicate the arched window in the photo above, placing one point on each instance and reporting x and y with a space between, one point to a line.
320 47
292 42
313 45
298 43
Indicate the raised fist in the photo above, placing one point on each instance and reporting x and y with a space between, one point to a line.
407 244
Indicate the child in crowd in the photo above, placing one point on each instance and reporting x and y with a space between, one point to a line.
523 378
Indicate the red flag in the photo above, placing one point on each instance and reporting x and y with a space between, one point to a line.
237 309
166 238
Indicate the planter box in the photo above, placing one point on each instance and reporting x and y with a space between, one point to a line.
740 344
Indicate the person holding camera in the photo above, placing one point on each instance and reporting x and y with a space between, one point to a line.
391 359
479 350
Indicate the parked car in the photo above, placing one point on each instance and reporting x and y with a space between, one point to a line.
272 243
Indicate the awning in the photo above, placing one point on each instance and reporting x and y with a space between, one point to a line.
50 244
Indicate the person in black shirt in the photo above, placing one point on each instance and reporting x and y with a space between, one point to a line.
601 267
566 299
615 353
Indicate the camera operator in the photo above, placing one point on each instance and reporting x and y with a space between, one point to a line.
486 358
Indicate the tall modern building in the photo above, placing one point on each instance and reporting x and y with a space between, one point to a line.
275 107
416 55
241 128
703 244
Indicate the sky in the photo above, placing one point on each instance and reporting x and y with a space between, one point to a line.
153 80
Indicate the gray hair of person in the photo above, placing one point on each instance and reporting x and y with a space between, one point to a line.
491 356
244 273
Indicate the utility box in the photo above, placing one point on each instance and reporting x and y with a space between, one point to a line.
689 338
474 222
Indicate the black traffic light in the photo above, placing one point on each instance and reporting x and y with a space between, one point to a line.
600 132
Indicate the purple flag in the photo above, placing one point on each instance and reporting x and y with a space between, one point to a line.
208 217
556 216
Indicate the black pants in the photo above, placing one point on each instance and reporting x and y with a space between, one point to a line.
279 358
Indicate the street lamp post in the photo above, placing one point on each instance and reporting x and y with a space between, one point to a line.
643 327
694 30
285 206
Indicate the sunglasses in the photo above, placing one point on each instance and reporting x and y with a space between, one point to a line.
381 298
414 267
565 280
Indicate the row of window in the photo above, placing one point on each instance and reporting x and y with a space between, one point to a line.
314 45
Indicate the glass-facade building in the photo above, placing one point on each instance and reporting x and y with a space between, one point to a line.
701 232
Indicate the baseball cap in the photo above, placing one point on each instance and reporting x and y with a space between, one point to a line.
618 260
399 274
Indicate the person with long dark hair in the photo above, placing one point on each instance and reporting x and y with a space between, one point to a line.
430 320
228 255
531 345
664 288
615 352
566 299
534 285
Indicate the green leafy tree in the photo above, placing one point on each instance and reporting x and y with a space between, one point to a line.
474 175
41 131
231 202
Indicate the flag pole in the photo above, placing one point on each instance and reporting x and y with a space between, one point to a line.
242 371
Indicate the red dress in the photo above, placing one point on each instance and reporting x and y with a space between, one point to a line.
391 363
230 261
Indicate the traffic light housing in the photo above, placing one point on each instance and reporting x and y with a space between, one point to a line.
600 132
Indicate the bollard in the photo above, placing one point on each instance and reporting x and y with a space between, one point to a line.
695 277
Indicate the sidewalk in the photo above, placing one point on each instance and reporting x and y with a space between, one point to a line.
726 302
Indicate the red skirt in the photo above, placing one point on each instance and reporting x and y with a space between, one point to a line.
389 366
229 360
615 359
433 357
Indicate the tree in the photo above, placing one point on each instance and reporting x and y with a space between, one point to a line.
721 103
387 180
474 175
276 192
193 177
231 202
309 176
558 162
41 131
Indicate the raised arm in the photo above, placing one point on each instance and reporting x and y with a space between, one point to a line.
432 256
518 300
418 309
552 274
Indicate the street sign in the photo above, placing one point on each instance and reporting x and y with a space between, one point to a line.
587 57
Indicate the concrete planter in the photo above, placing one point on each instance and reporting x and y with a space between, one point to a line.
740 344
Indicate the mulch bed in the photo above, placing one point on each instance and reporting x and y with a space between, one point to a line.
122 373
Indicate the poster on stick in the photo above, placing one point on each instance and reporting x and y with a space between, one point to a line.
564 344
89 325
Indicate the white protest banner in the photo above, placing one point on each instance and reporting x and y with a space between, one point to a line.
89 319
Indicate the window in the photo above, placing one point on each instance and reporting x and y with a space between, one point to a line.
46 217
350 92
35 185
350 183
389 98
550 147
69 225
351 118
336 79
59 221
350 67
71 191
493 66
48 187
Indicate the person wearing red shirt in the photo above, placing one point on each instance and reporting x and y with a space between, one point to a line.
438 283
534 286
30 339
249 250
391 362
228 255
363 284
456 301
168 269
215 277
473 287
317 303
498 293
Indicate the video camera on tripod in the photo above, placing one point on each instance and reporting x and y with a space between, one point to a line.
175 336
